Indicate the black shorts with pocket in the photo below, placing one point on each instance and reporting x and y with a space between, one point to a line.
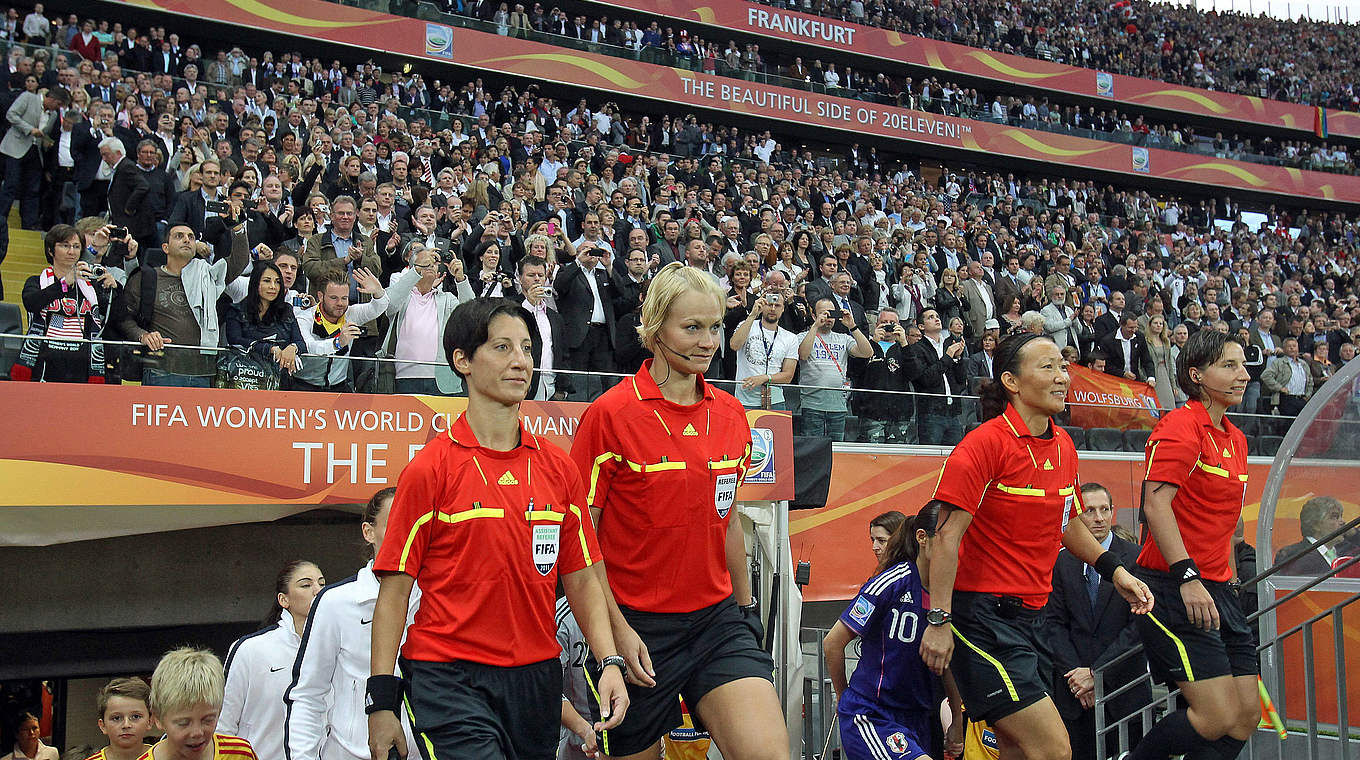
1178 650
1001 660
692 654
466 709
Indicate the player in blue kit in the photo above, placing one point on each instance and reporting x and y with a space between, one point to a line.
886 709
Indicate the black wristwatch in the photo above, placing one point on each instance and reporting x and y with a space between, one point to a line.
616 660
938 616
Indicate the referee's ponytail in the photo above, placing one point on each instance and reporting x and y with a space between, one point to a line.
993 394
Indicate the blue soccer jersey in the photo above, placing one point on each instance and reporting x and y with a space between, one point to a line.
889 616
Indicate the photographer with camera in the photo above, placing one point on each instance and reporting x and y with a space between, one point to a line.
825 356
489 280
331 327
418 308
885 417
584 296
68 299
766 354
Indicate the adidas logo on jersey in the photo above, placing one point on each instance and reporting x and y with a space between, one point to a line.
906 598
1226 454
1048 465
689 430
507 480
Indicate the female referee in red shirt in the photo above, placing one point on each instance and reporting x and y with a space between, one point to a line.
487 517
662 453
1192 498
1008 494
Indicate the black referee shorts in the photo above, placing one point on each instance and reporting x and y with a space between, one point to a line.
1180 651
692 653
464 709
1001 660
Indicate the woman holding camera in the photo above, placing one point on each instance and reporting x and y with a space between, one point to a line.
263 323
489 281
69 299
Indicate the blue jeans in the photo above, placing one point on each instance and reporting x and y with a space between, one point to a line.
941 429
819 424
423 386
172 380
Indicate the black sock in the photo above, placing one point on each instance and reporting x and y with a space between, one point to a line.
1172 735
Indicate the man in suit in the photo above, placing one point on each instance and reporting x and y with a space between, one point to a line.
160 190
1107 323
1008 282
33 126
585 299
127 194
1318 517
1090 626
1059 318
1289 380
85 138
841 286
533 283
1126 353
937 365
190 206
819 287
978 295
668 248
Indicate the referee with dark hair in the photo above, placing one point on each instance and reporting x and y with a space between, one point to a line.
1192 498
487 517
1008 494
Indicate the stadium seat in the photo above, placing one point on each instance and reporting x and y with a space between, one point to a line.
10 322
1105 439
1268 445
1078 436
1136 440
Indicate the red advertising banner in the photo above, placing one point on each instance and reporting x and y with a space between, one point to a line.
546 63
1002 67
1101 400
113 445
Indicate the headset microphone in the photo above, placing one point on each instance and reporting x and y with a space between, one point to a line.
1222 391
686 357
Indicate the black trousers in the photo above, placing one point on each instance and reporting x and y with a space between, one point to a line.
23 180
1290 406
595 354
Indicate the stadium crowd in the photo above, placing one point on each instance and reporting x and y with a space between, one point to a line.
1303 61
667 46
305 214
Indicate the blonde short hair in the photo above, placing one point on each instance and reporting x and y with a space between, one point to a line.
186 677
674 280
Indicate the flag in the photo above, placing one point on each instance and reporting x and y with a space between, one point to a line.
1320 122
1101 400
1270 719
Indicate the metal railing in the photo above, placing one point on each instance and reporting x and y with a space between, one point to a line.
1149 714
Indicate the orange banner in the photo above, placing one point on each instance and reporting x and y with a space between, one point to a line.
1101 400
952 58
438 43
130 446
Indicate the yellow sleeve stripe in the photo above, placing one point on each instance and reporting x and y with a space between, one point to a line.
539 514
471 514
1212 470
595 474
581 534
655 466
723 464
1019 490
411 537
1151 453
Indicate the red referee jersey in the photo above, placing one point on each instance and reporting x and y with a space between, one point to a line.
1021 490
485 534
665 477
1208 466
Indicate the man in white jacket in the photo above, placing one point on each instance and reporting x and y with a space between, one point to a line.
331 326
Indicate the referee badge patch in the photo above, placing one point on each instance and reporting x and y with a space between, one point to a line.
545 547
724 493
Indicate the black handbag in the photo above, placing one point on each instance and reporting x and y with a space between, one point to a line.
242 370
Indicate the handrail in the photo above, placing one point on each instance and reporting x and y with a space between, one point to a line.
555 370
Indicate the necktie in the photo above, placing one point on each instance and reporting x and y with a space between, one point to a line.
427 174
1092 585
